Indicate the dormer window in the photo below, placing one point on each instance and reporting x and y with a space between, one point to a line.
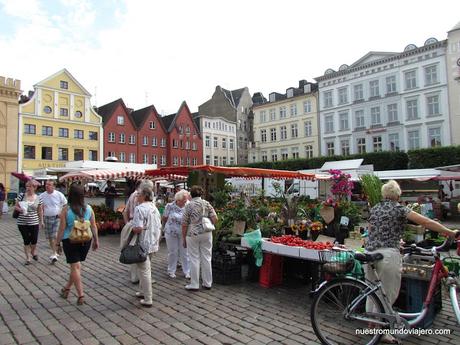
152 125
181 130
64 85
290 93
120 120
272 97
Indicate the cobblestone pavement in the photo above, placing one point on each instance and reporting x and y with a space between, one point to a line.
33 313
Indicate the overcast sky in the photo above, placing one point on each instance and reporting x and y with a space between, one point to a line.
164 52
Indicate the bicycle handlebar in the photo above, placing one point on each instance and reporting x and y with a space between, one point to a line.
413 248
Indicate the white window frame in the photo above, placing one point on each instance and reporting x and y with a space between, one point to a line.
392 112
345 147
410 79
412 140
344 121
377 143
412 109
358 92
272 134
120 120
361 145
432 105
283 133
309 151
294 130
390 84
374 88
111 137
327 99
393 138
431 74
329 123
434 136
330 148
307 106
360 119
308 127
343 95
376 119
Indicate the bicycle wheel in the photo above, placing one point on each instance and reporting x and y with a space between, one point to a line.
328 314
454 292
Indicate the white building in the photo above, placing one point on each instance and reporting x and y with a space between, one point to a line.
286 127
219 141
386 101
453 75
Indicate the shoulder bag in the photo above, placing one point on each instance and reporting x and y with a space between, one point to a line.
206 222
81 231
16 212
133 254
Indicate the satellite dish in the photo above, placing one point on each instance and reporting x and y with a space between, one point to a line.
431 40
111 159
410 47
329 71
343 67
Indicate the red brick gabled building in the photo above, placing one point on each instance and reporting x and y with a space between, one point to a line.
119 131
152 137
185 145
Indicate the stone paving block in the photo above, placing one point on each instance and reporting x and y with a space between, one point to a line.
48 340
7 338
209 341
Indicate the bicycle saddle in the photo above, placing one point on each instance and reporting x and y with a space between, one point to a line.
364 257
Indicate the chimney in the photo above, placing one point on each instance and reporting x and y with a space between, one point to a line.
302 83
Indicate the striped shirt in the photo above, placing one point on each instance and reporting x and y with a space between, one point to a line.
31 217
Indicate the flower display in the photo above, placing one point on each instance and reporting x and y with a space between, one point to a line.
316 226
342 186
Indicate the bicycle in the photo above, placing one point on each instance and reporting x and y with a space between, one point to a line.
349 310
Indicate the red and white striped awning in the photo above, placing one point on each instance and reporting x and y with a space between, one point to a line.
108 174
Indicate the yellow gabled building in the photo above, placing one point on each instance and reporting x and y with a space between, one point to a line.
58 124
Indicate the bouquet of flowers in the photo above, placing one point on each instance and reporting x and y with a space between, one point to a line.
316 226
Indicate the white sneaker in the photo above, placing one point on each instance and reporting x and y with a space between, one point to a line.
53 259
171 275
187 276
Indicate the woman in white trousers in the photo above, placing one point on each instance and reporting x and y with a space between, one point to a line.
172 220
197 240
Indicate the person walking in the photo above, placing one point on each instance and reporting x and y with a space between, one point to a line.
75 253
110 194
29 206
53 201
386 225
147 225
197 240
172 220
2 198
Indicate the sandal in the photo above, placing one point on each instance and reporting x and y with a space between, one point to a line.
35 257
27 263
81 300
65 293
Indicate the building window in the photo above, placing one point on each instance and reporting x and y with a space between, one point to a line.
345 147
47 109
175 143
414 139
187 131
375 116
274 154
343 95
111 138
132 158
272 114
122 157
327 98
194 147
412 109
283 133
359 118
330 148
391 84
120 120
294 130
393 140
215 142
145 159
264 156
195 161
29 152
187 144
307 106
308 129
154 142
224 143
93 155
374 88
207 141
64 85
47 153
208 159
78 134
284 154
63 132
78 114
231 144
329 123
434 136
64 112
181 143
282 112
273 134
152 125
232 161
145 141
163 142
263 116
343 117
392 110
132 139
410 79
361 145
295 152
216 160
29 129
293 108
377 144
47 131
154 159
432 103
358 92
163 160
78 155
309 151
122 138
263 135
92 135
181 161
431 75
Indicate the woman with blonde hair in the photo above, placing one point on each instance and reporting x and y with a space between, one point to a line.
386 226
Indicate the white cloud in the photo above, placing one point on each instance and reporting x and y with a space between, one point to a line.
180 50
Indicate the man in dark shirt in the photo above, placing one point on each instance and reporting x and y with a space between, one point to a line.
110 194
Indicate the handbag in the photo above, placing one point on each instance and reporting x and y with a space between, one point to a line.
15 214
81 231
133 254
206 222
